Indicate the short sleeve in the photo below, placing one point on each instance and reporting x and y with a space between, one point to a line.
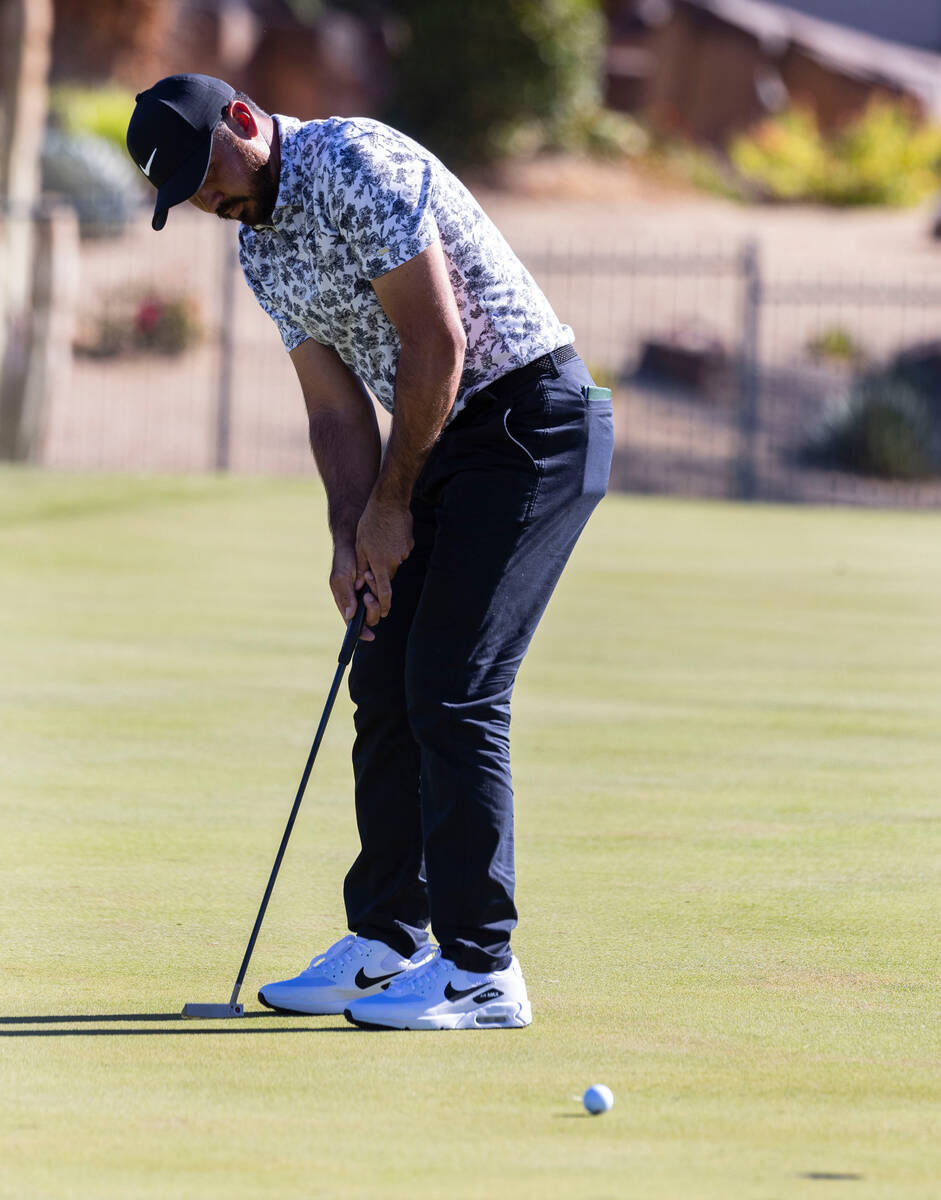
257 270
378 195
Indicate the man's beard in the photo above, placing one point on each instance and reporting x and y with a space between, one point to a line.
257 205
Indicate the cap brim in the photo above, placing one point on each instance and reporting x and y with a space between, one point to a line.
184 184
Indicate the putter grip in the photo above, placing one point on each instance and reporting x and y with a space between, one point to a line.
353 630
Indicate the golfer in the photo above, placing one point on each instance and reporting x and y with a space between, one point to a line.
384 276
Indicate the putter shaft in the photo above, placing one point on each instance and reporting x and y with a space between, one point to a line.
233 1008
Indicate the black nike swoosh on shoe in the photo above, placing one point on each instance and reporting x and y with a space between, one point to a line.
363 980
452 993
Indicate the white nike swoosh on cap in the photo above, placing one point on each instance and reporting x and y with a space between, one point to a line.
146 169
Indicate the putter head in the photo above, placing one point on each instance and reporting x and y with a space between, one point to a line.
213 1012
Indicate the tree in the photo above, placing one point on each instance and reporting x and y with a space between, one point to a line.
25 39
474 77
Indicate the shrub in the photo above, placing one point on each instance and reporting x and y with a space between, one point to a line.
599 132
700 167
100 181
835 344
785 156
882 426
102 112
885 157
166 324
129 322
603 376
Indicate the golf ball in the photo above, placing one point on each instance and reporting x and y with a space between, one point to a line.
598 1099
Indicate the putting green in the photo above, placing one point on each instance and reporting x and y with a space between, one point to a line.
727 756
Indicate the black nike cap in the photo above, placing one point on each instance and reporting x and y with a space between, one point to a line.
170 135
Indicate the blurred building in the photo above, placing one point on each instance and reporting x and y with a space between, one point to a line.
335 64
911 22
705 69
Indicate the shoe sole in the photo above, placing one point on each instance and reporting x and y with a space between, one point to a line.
298 1012
322 1010
480 1019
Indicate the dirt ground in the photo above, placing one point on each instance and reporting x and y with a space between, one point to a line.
623 255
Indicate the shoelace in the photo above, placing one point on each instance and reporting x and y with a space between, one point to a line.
423 978
337 951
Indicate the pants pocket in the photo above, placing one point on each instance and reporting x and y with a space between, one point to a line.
532 466
599 450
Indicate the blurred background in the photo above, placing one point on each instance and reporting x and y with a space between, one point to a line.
734 203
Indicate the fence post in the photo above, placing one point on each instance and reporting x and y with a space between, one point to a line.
230 271
746 473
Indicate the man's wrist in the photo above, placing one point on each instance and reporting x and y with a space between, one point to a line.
343 523
394 486
344 541
393 496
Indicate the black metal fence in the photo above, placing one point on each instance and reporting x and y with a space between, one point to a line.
733 378
728 374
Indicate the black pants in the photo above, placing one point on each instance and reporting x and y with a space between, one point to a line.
497 510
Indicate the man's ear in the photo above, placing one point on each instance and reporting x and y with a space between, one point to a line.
242 119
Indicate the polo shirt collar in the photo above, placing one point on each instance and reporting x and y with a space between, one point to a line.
289 200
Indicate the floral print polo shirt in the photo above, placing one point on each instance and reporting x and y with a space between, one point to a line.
356 199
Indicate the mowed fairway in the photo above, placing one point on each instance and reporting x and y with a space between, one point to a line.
728 769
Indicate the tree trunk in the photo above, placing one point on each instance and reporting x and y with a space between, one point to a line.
25 39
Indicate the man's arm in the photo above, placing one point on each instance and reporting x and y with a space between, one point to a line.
344 437
419 301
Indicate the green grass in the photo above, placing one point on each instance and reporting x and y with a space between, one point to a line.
728 762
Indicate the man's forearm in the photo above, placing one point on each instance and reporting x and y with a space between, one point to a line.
426 383
347 454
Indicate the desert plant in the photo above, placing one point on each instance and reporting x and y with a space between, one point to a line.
835 344
701 167
886 157
785 156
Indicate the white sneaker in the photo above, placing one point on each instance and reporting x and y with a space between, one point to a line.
353 967
436 995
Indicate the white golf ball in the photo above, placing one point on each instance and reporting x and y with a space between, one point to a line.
598 1099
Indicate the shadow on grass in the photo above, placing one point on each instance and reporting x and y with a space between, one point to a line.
188 1027
830 1175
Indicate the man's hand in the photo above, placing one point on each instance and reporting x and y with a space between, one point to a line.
383 542
343 575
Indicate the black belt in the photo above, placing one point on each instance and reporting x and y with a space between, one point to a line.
502 389
546 364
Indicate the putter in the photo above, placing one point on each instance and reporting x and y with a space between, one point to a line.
234 1008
